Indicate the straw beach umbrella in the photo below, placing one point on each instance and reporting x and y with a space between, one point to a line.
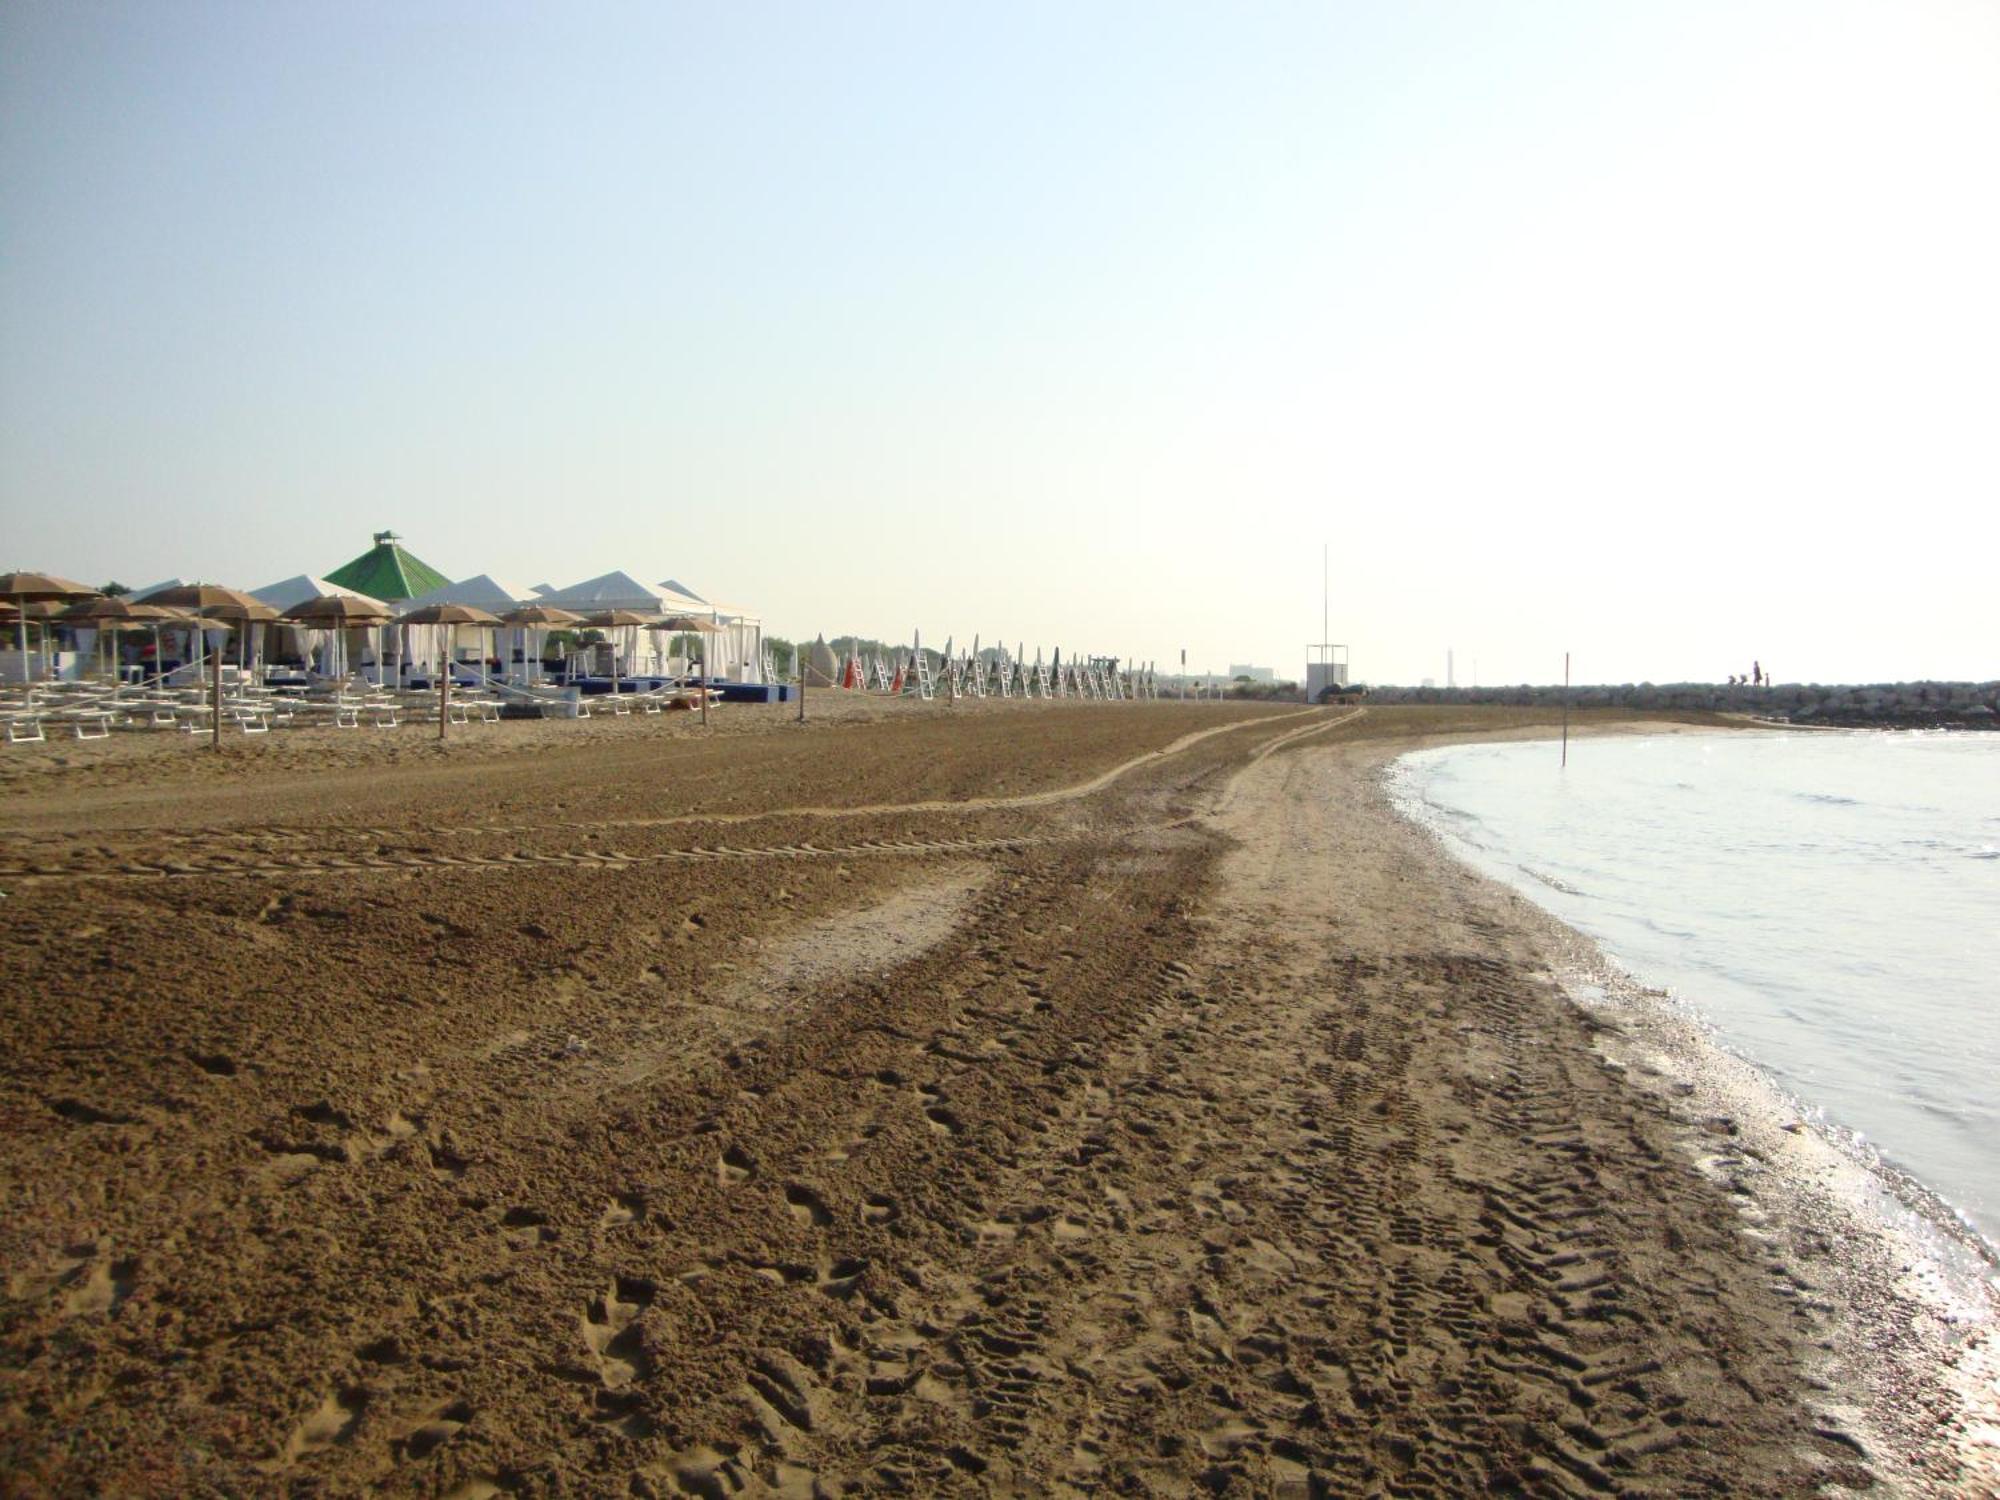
339 613
41 588
108 615
540 619
692 625
627 620
211 601
450 616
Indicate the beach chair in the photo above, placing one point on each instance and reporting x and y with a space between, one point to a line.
89 725
24 729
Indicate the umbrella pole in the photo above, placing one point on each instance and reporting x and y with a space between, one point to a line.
444 698
215 698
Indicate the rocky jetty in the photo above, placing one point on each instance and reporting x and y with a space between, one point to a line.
1968 705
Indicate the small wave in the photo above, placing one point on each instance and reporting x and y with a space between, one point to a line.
1549 880
1827 799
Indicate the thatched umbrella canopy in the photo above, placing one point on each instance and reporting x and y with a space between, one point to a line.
110 614
448 614
211 601
27 588
337 613
619 619
539 618
24 586
543 615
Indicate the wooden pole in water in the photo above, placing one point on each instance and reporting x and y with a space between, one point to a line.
1565 760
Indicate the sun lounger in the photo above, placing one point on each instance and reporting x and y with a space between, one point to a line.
24 729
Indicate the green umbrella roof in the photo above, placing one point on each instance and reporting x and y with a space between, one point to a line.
386 571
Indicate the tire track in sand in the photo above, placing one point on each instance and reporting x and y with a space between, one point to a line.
260 862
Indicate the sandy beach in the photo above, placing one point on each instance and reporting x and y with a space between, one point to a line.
1011 1098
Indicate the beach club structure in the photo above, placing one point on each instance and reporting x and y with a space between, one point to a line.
386 638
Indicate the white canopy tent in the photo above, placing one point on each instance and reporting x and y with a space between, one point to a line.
737 653
645 650
481 591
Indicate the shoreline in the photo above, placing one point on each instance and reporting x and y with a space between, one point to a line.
1918 1283
472 1137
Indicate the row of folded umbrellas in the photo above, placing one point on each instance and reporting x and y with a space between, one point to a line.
43 596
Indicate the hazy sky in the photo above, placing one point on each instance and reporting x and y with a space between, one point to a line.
1668 334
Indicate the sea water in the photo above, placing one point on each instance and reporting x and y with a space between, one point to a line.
1828 902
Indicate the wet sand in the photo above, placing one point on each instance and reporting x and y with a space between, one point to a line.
1015 1099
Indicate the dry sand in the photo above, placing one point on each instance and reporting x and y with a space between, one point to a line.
1013 1099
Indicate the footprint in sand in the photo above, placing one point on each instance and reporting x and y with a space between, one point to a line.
735 1167
332 1421
611 1332
623 1209
525 1228
100 1287
879 1210
807 1206
442 1426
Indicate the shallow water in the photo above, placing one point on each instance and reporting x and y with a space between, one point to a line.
1829 902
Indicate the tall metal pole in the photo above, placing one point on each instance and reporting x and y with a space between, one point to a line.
215 692
1565 759
799 656
704 684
